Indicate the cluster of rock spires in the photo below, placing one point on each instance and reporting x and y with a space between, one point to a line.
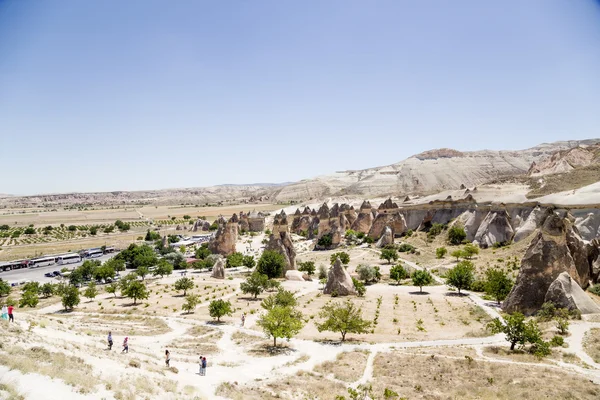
485 224
280 241
227 232
556 268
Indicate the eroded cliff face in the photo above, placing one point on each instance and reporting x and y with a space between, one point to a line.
281 241
225 237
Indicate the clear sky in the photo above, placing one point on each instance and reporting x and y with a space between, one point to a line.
143 94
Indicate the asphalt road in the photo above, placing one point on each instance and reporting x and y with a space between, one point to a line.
37 274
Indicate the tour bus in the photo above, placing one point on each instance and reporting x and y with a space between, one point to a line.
14 265
93 253
68 259
42 262
110 249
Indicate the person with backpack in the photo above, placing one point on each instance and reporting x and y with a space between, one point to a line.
203 366
110 340
125 345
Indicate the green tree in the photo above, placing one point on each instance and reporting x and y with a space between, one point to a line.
343 317
4 288
202 252
283 298
70 297
440 252
389 254
151 236
135 290
342 255
186 217
219 308
91 292
249 262
517 331
184 284
191 301
29 298
398 273
308 267
366 273
325 241
434 230
117 264
255 284
235 260
72 228
33 287
142 271
94 230
112 288
421 278
281 322
359 287
497 283
104 272
47 289
88 269
271 263
458 254
177 260
461 276
163 268
109 229
456 234
470 250
29 231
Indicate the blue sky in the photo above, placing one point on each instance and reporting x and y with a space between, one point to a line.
126 95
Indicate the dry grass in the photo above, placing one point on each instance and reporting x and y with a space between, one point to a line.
129 325
241 338
571 180
424 377
9 392
591 344
348 366
72 370
200 330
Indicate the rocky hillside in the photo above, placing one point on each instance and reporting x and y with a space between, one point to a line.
567 160
427 172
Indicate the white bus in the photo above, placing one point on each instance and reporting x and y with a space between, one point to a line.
42 262
93 253
68 259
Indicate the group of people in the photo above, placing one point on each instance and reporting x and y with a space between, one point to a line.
125 343
7 313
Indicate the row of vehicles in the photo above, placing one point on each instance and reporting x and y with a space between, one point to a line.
57 259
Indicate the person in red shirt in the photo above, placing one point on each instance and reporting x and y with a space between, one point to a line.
10 314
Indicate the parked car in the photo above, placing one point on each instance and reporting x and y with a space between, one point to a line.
56 273
49 275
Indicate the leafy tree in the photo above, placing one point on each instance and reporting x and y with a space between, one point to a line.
365 273
29 231
91 292
497 283
70 297
342 255
308 267
94 230
151 236
104 272
122 226
186 217
440 252
112 288
177 260
458 254
281 322
4 288
109 229
117 264
202 252
343 317
456 234
398 273
470 250
461 276
142 271
325 241
33 287
272 285
517 331
271 263
4 227
191 301
434 230
255 284
184 284
219 308
163 268
135 290
421 278
389 254
249 262
235 260
88 269
72 228
29 298
47 289
562 324
360 287
283 298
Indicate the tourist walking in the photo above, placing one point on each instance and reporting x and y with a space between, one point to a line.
4 312
203 366
200 366
10 313
167 357
110 341
243 319
125 345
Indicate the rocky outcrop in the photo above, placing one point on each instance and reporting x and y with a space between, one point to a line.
218 271
533 221
294 275
495 228
564 292
256 221
225 238
386 238
201 225
339 281
556 248
364 220
281 242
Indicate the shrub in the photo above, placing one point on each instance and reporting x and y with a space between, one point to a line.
406 248
595 289
470 250
366 273
308 267
456 234
440 252
191 301
435 230
557 341
342 255
497 283
360 287
325 241
322 272
478 285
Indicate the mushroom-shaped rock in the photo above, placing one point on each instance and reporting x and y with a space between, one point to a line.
339 281
564 292
218 271
386 238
